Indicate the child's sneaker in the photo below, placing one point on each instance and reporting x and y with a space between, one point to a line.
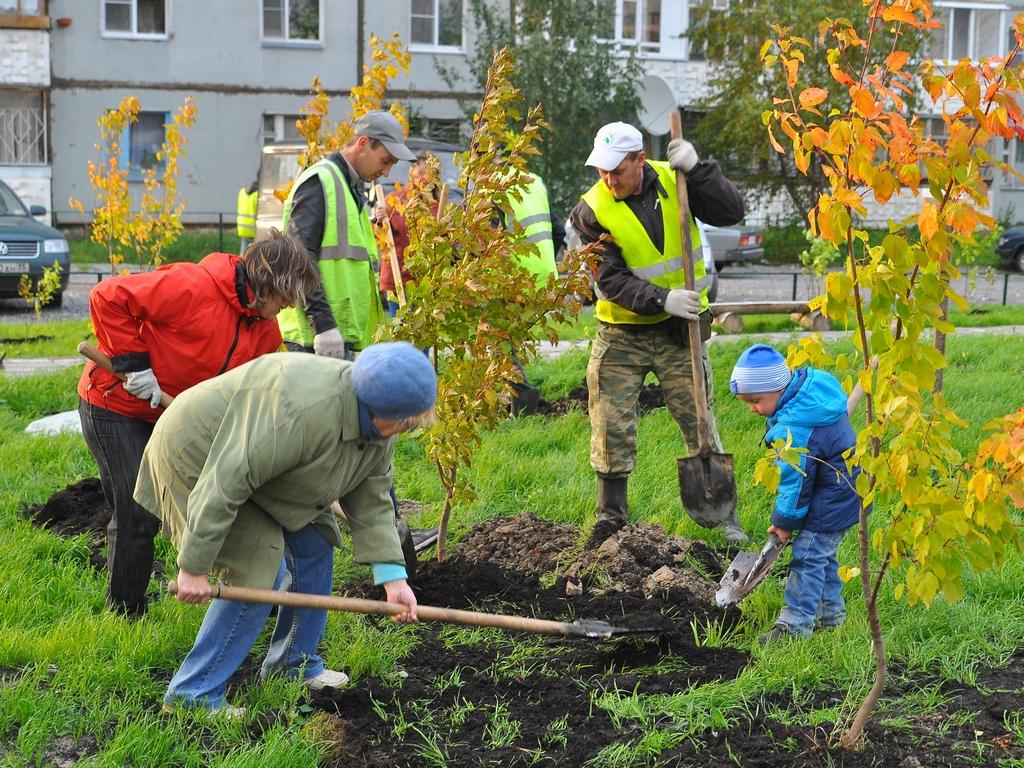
329 678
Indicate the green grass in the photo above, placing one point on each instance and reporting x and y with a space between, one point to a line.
72 670
44 338
191 245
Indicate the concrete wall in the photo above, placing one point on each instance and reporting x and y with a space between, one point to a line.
24 57
214 54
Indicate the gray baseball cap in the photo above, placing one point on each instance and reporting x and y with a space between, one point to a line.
385 128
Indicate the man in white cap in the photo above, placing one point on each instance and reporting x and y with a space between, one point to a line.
642 305
326 209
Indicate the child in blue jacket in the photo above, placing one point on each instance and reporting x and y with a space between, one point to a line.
819 500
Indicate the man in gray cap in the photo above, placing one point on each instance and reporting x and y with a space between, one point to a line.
326 210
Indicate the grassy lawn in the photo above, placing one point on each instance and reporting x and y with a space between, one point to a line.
70 670
192 245
43 338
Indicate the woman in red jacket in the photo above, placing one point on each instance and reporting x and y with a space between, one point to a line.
166 331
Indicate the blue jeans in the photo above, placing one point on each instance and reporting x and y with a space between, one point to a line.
814 592
230 628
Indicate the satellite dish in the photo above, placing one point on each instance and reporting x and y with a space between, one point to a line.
657 102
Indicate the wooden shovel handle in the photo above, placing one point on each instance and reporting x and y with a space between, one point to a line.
85 349
705 439
381 608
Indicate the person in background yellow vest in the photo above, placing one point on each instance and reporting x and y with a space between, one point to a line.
245 216
642 305
533 214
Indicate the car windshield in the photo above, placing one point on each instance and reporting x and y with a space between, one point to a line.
10 205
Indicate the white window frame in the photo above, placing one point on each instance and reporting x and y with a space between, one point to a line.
673 24
972 54
133 34
435 47
280 121
287 42
20 10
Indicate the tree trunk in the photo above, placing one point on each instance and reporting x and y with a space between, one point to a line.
940 345
442 527
855 733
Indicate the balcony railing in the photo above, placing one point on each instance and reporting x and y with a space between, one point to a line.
22 137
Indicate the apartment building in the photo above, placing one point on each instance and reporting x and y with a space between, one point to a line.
248 65
24 99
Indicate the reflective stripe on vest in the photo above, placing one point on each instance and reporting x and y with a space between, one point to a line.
245 216
533 213
638 251
346 272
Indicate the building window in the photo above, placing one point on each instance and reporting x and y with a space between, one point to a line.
280 128
23 7
135 18
142 143
450 131
291 21
22 128
966 33
436 24
633 23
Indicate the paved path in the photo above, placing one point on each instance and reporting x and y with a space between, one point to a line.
28 365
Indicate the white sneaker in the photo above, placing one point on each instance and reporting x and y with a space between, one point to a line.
329 678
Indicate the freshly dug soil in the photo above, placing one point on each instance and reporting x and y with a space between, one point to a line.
484 697
79 508
650 398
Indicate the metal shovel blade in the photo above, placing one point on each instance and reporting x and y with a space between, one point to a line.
746 571
707 488
604 630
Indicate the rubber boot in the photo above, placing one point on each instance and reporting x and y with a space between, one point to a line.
526 400
734 535
612 509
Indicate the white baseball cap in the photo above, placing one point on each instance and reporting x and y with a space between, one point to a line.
612 143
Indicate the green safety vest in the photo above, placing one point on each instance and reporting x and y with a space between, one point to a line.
347 253
533 213
245 218
641 256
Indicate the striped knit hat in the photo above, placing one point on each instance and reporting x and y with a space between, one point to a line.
760 369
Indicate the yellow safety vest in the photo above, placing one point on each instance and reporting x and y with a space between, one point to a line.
347 250
641 256
533 213
245 218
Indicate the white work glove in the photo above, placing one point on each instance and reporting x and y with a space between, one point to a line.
683 303
143 385
329 344
682 156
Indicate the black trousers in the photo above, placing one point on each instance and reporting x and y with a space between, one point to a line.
117 442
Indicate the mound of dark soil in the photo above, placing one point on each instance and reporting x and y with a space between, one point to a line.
650 398
79 508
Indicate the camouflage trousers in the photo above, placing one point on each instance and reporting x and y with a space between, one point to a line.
620 359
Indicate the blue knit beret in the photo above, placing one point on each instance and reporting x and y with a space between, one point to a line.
760 369
394 380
